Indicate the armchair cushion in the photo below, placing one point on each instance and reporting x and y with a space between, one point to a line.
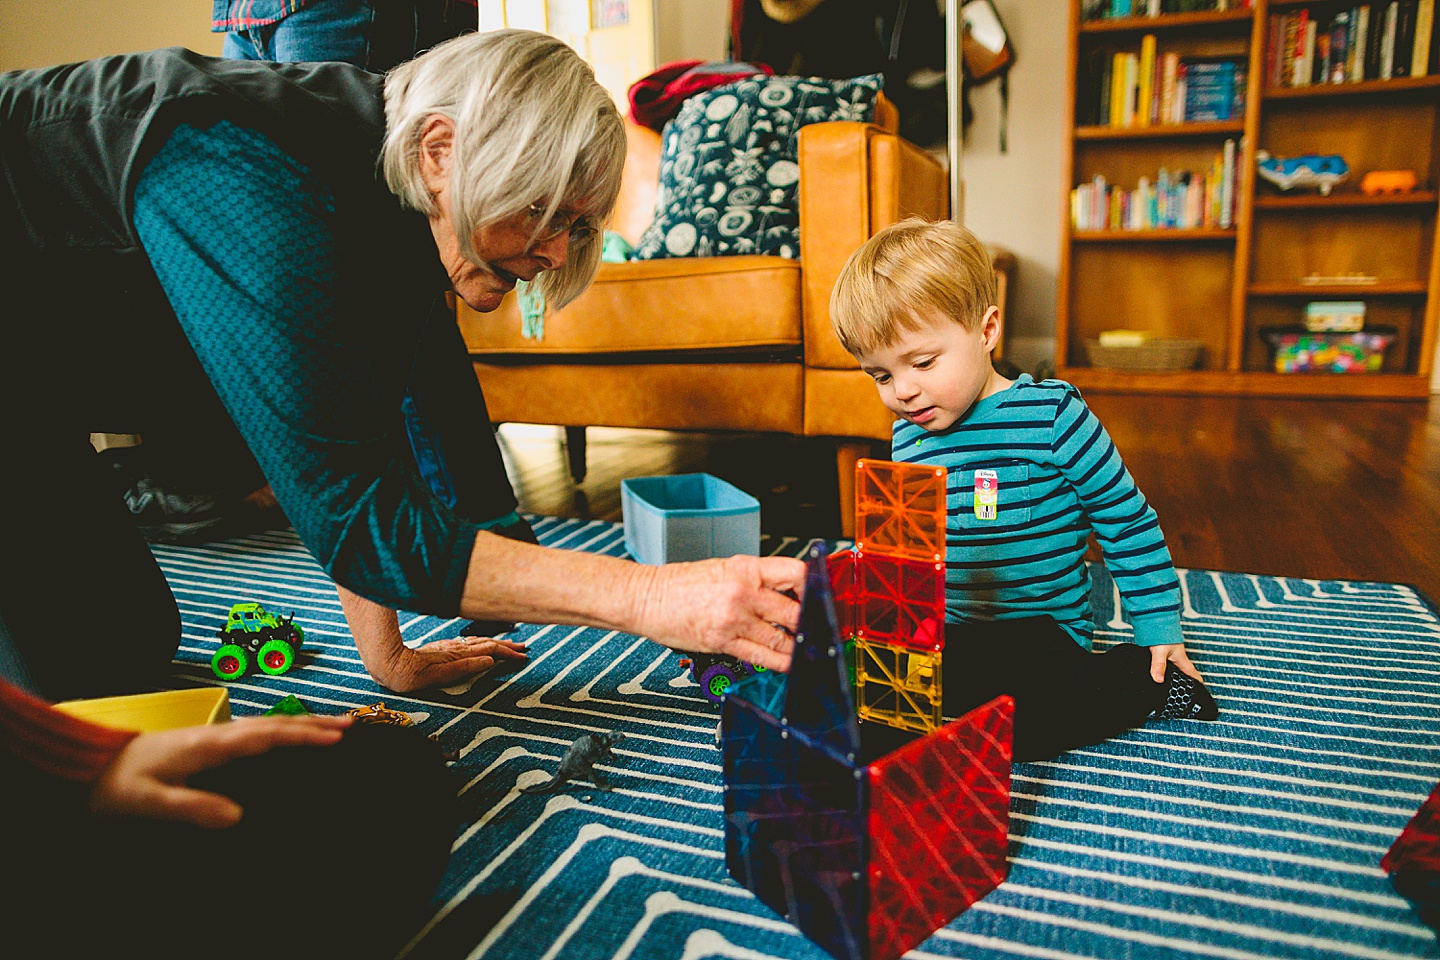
729 165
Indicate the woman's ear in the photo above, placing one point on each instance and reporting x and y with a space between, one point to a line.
991 327
437 140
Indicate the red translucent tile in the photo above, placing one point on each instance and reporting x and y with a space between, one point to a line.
938 819
841 565
899 601
1418 846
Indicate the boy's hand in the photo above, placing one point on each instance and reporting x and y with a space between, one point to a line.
1164 653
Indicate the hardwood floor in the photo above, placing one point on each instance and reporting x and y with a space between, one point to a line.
1323 489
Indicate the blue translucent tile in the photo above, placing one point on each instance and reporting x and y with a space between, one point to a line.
794 827
818 699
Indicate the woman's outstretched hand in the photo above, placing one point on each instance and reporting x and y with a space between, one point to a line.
443 663
738 606
147 778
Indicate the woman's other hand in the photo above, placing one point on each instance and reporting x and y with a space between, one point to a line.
148 777
443 663
737 606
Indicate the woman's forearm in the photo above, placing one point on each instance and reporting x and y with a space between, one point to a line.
519 581
376 630
736 606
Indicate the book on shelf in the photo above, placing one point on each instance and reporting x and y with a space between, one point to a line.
1381 40
1172 200
1359 43
1404 38
1145 73
1387 40
1420 51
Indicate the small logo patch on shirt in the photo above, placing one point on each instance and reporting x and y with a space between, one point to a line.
987 495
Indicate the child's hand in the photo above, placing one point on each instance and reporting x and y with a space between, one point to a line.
1164 653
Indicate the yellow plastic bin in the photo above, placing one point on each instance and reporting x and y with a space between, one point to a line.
151 712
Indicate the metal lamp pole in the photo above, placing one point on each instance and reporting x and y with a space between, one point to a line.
954 77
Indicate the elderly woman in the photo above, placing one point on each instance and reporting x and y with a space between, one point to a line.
190 240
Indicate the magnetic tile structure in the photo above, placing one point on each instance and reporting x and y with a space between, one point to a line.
866 837
894 607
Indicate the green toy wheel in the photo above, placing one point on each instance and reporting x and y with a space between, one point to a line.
230 661
299 638
276 657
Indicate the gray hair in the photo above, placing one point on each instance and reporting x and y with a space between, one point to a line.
532 128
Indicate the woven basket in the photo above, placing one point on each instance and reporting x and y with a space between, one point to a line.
1150 355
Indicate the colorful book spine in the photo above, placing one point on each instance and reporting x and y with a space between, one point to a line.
1405 37
1336 56
1424 24
1360 43
1299 76
1145 80
1227 186
1387 42
1169 80
1288 47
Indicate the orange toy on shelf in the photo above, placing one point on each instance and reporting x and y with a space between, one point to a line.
1388 181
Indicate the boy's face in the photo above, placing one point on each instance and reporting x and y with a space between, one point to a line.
932 376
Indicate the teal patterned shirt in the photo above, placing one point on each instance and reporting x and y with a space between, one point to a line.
1059 477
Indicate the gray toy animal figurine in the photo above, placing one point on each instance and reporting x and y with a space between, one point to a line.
579 762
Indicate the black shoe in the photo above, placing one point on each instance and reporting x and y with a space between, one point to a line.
1185 698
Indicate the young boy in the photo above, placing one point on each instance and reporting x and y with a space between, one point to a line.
1031 473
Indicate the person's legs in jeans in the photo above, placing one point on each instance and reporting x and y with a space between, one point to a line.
373 34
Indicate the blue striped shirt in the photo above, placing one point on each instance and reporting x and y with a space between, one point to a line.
1059 477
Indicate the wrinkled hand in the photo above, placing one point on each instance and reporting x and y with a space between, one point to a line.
1170 653
733 606
147 778
443 663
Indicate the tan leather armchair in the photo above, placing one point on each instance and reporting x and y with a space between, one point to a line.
719 343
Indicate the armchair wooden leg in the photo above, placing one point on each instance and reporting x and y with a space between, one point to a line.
575 452
847 452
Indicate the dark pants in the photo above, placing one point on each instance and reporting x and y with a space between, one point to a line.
1065 696
84 609
338 854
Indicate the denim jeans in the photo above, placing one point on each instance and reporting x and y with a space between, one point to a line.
373 34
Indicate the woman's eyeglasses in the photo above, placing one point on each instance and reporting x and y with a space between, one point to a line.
579 228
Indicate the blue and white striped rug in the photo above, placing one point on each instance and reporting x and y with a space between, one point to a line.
1254 836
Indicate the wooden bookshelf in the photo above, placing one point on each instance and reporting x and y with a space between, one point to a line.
1161 131
1174 21
1225 287
1424 199
1159 235
1365 88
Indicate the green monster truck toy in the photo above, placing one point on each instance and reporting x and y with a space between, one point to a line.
252 634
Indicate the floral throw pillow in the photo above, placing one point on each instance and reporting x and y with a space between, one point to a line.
728 172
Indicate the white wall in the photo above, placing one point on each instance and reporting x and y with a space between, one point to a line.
39 33
691 30
1015 199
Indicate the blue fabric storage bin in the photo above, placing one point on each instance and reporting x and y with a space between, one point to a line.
692 516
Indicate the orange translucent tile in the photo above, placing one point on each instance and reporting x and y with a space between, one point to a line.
900 509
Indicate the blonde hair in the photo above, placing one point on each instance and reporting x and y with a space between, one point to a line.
532 128
910 274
